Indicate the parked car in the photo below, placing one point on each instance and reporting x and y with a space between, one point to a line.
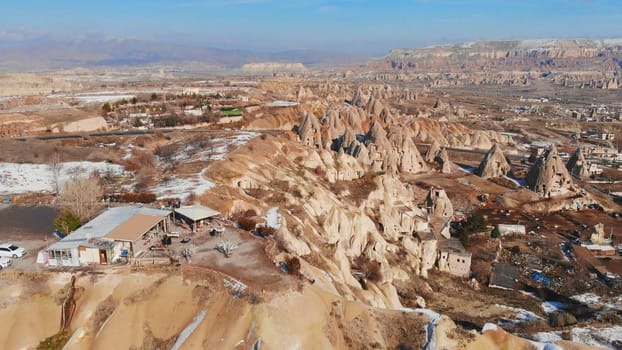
5 262
10 250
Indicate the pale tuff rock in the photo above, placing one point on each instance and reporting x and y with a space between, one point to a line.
410 160
433 151
341 118
303 93
385 116
348 168
374 107
443 159
310 131
428 251
399 216
290 242
548 176
359 98
438 204
493 164
439 104
577 165
439 155
598 234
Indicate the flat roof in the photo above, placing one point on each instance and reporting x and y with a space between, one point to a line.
134 227
453 246
197 212
102 225
504 276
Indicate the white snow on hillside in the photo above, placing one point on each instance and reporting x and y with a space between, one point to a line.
183 187
281 104
21 178
553 306
103 98
606 337
592 299
273 218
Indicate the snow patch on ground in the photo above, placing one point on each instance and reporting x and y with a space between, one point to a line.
27 177
189 329
553 306
546 346
608 337
489 327
273 218
215 149
519 182
587 298
103 99
521 314
592 299
546 337
467 169
182 188
281 104
435 317
605 337
520 317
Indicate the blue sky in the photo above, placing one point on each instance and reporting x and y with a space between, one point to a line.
371 26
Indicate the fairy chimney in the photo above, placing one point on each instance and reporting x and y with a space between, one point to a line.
493 164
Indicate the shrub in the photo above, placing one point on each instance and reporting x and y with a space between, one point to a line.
247 223
481 271
265 231
561 319
293 265
67 222
476 223
142 197
371 270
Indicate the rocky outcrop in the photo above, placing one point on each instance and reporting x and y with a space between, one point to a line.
548 176
443 160
438 154
505 55
303 93
577 165
493 164
433 151
310 131
438 204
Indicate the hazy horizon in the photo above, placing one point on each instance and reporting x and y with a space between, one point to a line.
350 26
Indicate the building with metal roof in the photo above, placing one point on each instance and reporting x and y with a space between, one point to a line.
194 215
504 276
110 235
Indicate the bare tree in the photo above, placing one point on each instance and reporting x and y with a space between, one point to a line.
55 166
81 195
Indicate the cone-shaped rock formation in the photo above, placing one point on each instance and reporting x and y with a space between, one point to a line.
493 164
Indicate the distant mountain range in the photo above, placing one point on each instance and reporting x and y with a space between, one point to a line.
50 54
543 54
45 53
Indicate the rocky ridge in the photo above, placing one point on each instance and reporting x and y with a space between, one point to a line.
577 165
549 176
493 164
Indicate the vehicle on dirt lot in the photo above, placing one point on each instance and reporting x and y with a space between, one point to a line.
10 250
5 262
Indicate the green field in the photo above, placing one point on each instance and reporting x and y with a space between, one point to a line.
232 112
